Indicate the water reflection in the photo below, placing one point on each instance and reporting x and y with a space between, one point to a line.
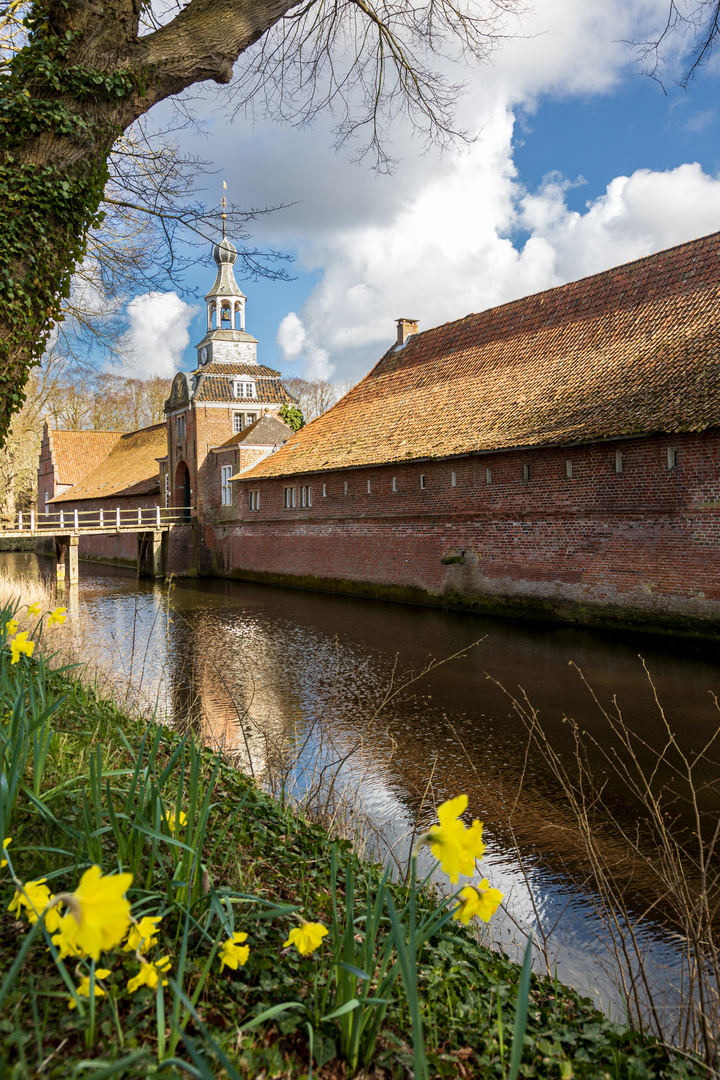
262 669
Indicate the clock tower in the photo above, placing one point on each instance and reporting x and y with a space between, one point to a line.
226 341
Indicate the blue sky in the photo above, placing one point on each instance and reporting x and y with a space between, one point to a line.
581 162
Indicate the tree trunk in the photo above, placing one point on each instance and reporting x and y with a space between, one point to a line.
83 78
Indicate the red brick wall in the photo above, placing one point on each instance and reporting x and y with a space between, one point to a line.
640 546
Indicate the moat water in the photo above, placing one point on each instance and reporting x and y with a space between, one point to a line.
283 676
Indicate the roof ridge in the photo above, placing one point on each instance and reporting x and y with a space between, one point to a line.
611 270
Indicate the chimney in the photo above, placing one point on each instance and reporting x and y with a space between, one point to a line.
405 328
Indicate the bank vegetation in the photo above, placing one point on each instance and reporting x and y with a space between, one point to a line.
162 915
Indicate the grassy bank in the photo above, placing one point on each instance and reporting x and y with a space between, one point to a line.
85 783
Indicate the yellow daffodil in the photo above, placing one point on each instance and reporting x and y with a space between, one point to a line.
149 974
233 953
142 935
174 822
455 847
64 947
12 627
478 900
472 847
98 915
57 617
34 898
306 938
20 644
83 990
6 844
34 609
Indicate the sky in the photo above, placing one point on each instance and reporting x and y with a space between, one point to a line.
581 162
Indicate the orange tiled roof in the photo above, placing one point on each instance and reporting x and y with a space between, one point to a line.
76 453
131 468
267 431
630 351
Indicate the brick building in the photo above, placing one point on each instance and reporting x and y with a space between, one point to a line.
558 456
221 418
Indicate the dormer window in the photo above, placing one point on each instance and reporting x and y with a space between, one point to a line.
244 389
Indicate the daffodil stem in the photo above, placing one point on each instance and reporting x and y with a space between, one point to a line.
90 1029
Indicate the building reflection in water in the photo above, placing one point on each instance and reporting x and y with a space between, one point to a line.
316 694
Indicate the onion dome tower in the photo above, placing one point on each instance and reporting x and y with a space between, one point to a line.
226 341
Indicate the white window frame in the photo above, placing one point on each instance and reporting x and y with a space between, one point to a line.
180 426
242 389
238 423
289 496
225 485
422 481
167 489
306 497
250 418
254 500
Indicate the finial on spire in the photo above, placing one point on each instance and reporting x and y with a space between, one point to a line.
224 215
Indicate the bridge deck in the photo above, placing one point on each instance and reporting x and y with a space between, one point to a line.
96 522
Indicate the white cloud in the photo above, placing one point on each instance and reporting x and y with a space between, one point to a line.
291 337
158 334
455 233
446 254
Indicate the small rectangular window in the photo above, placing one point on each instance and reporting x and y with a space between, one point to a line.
422 480
250 418
237 422
225 474
618 461
671 458
167 491
453 479
526 472
254 500
394 483
488 476
289 498
568 469
346 487
368 485
180 426
324 490
244 389
305 496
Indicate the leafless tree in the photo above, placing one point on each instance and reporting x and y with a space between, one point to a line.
368 60
698 22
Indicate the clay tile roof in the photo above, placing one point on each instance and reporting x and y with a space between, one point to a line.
76 453
130 468
220 388
267 431
630 351
258 371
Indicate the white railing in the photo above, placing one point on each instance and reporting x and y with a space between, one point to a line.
145 518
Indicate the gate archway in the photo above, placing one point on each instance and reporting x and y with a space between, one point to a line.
183 494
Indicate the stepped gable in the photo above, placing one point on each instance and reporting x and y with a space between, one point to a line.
131 468
267 431
630 351
76 453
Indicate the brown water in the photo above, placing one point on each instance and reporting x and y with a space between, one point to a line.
262 666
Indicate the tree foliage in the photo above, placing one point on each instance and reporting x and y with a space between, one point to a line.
292 416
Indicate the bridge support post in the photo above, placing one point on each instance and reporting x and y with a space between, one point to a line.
73 552
60 560
157 559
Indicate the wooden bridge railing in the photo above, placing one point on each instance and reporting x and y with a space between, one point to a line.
104 520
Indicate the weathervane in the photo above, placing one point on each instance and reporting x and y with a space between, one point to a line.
224 206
